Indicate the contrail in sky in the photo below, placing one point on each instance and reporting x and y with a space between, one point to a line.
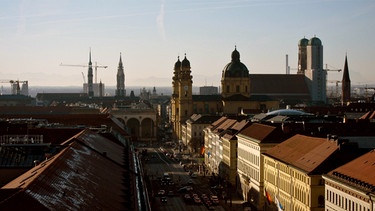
160 20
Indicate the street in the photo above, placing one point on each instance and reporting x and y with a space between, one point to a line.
169 192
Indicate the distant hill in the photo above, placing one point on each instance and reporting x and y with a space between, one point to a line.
34 90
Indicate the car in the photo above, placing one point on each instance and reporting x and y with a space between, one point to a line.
185 189
170 193
161 192
194 175
187 196
207 202
190 182
204 196
163 199
189 188
215 199
197 200
217 187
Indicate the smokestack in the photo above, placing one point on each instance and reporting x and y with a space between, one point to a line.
287 65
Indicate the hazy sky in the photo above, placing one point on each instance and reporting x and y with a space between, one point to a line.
36 36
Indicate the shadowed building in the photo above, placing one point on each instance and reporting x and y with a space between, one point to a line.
120 88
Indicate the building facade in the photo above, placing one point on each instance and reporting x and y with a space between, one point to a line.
351 186
294 169
254 140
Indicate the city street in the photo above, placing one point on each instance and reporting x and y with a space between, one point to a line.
170 194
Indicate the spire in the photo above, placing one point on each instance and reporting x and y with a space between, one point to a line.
89 78
90 63
345 77
346 86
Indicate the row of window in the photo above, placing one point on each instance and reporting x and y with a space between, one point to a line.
247 144
345 203
254 159
250 171
237 88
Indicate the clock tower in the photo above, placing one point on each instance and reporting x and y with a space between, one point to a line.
182 98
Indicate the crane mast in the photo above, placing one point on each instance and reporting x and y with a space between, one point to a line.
89 75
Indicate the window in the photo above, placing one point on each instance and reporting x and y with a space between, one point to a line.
237 88
227 88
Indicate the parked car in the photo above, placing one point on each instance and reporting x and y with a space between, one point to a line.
161 192
187 196
164 199
197 200
214 199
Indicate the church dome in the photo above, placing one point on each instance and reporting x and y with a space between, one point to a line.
315 41
177 65
235 68
303 42
185 62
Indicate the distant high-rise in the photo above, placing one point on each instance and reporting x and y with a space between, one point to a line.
345 96
89 78
120 89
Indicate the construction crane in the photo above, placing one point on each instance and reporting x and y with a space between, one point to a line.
368 88
94 66
337 70
15 86
327 69
84 79
337 86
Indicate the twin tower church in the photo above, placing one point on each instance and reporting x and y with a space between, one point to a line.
242 90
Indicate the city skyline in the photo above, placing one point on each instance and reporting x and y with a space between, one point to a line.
38 36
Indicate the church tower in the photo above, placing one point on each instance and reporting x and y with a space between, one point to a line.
89 78
235 78
235 82
315 74
120 88
302 55
345 95
182 96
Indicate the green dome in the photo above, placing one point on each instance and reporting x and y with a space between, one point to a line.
315 41
235 68
303 42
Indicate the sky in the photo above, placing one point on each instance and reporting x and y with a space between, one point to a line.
37 36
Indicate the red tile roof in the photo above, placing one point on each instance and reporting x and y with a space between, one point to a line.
263 133
225 125
80 177
360 172
368 115
304 152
